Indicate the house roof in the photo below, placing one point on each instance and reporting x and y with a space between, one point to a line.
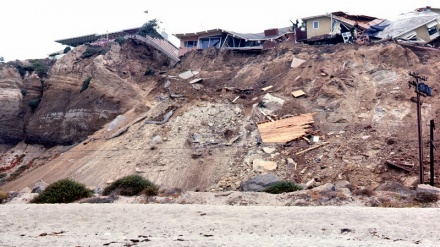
246 36
406 23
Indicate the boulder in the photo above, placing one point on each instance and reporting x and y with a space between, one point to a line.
428 189
269 150
39 187
259 183
329 187
259 164
340 184
395 187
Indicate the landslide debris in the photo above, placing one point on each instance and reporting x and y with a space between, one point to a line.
359 96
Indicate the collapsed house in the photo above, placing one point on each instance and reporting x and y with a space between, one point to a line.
338 27
224 39
163 44
420 26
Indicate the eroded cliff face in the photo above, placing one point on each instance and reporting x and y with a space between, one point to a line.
11 105
67 114
358 95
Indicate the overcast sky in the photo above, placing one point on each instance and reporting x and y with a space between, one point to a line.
29 27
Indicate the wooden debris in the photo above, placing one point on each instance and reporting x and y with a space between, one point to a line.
236 98
196 80
296 62
285 130
268 117
402 165
312 148
306 139
267 88
298 93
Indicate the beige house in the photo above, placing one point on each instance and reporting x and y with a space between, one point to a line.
420 26
337 26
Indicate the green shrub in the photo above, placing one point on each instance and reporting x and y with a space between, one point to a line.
150 28
33 103
24 91
63 191
281 187
21 70
129 186
86 84
67 49
120 40
149 71
92 51
39 66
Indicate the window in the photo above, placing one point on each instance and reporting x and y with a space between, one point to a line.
210 42
189 44
432 30
316 24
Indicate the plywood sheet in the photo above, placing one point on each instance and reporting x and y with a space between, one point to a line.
298 93
285 130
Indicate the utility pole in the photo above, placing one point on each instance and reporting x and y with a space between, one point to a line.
421 90
431 155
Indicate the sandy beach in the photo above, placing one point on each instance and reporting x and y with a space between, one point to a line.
215 225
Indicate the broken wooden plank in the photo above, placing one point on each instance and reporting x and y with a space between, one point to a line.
296 62
306 139
398 165
298 93
312 148
285 130
267 88
268 117
196 80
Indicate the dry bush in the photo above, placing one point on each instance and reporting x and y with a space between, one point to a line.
363 192
425 197
173 192
3 196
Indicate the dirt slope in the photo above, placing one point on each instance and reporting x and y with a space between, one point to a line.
359 95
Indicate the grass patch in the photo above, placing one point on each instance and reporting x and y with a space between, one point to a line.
63 191
282 187
131 185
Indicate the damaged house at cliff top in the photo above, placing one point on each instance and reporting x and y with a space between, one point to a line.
420 26
338 27
224 39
